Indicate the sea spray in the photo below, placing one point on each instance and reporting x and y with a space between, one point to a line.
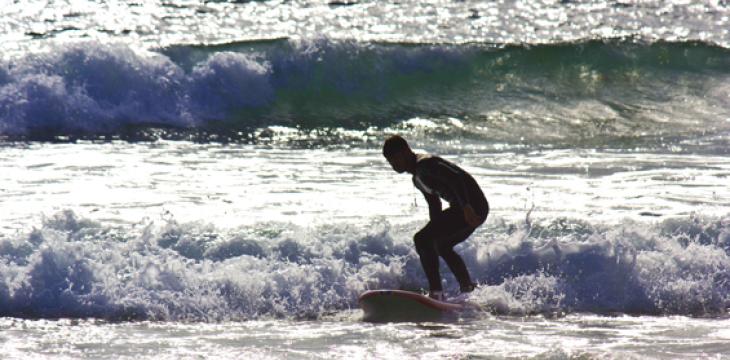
73 267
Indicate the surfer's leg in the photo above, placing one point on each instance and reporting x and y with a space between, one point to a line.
454 230
425 247
426 241
445 247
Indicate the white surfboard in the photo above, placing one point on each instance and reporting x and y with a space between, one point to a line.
401 305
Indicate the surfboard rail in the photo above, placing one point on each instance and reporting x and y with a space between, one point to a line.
401 305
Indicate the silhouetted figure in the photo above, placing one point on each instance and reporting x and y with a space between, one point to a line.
439 179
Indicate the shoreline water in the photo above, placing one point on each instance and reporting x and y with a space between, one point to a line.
575 336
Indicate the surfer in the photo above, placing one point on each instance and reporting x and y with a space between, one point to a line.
439 179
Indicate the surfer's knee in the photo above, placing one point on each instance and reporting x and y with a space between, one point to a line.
421 241
483 212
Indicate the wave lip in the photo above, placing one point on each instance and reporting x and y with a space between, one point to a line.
77 268
591 89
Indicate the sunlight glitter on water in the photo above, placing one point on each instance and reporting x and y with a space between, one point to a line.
573 336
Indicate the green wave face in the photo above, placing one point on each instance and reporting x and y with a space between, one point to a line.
548 93
616 88
370 82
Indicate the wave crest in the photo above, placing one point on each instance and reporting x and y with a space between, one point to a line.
615 89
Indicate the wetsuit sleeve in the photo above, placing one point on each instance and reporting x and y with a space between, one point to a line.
434 205
451 176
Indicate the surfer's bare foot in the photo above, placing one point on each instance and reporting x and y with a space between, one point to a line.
437 295
468 288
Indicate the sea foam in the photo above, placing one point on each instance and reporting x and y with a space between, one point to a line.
75 267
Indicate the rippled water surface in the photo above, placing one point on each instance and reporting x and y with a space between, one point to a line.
571 337
196 179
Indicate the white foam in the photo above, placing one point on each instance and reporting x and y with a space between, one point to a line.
73 267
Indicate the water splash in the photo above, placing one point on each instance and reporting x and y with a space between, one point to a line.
74 267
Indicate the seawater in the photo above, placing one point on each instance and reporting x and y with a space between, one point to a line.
204 179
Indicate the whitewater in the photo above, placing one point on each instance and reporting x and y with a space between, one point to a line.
204 179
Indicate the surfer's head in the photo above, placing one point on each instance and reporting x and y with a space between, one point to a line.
399 154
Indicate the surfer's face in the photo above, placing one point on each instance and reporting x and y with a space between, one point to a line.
398 161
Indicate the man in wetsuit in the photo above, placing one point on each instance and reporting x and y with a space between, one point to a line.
439 179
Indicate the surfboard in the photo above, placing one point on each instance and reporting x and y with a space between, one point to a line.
401 305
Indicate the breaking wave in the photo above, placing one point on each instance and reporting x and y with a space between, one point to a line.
75 267
561 92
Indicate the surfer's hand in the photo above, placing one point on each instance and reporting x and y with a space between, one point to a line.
471 217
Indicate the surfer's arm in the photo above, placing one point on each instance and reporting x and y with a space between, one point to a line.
434 205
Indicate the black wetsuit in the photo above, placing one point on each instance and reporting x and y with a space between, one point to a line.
439 179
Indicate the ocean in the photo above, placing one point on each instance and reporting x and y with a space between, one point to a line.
204 179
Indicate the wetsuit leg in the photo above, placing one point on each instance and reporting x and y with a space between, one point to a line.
445 248
457 231
438 237
426 249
